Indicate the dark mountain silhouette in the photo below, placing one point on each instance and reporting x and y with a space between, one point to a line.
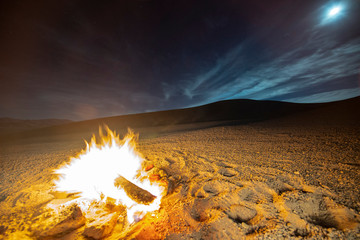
11 125
219 113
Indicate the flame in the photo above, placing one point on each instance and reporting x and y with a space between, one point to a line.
92 173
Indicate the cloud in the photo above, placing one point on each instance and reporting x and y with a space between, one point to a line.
335 95
311 65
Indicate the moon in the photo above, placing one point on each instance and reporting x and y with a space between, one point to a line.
334 11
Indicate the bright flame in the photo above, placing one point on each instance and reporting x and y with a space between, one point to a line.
92 173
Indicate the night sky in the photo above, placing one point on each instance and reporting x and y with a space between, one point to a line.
82 59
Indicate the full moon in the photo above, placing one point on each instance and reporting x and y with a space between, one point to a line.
334 11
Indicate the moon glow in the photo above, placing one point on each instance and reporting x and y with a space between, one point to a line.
334 11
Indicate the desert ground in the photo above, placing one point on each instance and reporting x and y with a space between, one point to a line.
290 176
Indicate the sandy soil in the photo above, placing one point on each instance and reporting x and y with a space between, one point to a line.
273 179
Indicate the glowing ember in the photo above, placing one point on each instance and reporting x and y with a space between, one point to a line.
95 172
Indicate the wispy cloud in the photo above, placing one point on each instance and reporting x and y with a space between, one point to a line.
317 58
316 62
330 96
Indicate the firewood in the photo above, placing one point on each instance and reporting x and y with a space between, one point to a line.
134 192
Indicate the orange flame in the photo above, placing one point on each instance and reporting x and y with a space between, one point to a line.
92 173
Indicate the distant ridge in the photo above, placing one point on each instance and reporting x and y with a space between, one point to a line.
229 111
240 110
12 125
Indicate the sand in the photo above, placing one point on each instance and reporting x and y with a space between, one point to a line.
280 178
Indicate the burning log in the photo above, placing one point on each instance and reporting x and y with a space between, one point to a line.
134 192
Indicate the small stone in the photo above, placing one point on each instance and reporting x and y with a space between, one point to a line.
101 227
201 194
240 213
302 232
213 187
66 221
227 172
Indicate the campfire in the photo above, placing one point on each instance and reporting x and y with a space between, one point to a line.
110 171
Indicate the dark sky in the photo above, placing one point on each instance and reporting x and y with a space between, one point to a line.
83 59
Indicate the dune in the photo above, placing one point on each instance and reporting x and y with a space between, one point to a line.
214 114
12 125
235 169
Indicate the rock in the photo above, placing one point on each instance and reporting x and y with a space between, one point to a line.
201 194
201 209
213 187
301 232
280 187
240 213
63 222
102 226
222 228
227 172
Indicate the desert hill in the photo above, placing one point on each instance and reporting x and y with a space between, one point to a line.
229 112
12 125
